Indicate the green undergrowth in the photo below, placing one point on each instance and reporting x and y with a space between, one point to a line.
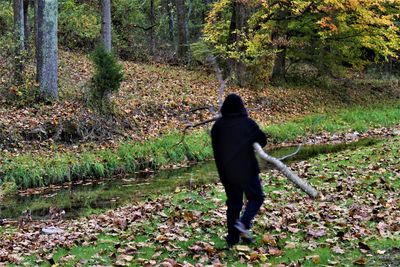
35 171
28 171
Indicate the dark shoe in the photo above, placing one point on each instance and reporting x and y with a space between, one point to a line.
232 241
247 241
244 232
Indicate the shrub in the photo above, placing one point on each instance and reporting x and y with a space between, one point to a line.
107 79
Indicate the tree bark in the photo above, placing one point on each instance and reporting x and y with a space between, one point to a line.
47 50
279 36
18 6
182 33
170 21
27 28
240 15
106 24
152 19
167 6
35 32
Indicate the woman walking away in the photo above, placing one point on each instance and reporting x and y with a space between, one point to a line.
233 136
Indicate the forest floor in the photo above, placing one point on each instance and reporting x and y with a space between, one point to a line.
155 99
357 222
42 144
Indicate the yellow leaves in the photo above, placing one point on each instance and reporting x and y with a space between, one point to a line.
216 9
352 4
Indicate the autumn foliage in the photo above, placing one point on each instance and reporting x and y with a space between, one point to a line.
330 35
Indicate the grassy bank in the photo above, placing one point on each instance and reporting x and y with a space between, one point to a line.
353 118
357 223
33 171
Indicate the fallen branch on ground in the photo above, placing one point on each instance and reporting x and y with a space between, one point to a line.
286 171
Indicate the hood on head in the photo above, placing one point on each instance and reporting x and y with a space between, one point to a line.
233 105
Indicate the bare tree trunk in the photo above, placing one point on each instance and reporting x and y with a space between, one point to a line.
189 13
279 39
35 32
47 50
152 23
240 14
106 24
27 28
182 33
167 6
19 39
170 21
278 71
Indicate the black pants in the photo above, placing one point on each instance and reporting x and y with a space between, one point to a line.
234 192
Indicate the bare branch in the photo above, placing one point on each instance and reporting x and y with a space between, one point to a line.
195 125
222 81
144 28
294 178
292 154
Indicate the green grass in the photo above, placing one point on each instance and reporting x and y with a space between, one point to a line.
355 169
33 171
362 186
354 118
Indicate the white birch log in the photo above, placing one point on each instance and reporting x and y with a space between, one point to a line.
303 185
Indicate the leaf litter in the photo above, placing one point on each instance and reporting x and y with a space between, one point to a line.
358 206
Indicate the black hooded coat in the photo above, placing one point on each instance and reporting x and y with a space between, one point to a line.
233 136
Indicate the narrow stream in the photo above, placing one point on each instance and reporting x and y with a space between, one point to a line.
98 195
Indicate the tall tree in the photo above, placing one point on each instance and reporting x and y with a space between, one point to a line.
279 39
330 35
152 18
106 24
238 29
168 9
26 23
19 38
47 51
182 32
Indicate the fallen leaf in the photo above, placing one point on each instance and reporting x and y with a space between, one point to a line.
269 239
290 245
242 248
275 252
338 250
364 246
360 261
316 259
